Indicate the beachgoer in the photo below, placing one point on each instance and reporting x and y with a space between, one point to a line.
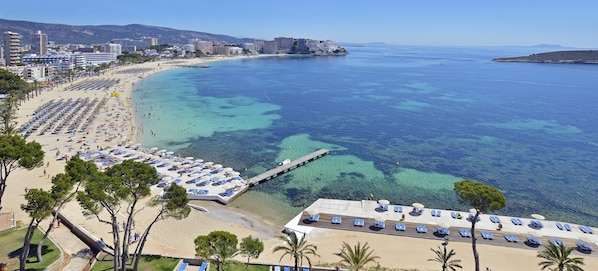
377 266
337 268
136 236
26 190
58 222
124 225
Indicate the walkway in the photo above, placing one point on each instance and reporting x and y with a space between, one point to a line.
78 252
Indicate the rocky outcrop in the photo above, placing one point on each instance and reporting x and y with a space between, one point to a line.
560 57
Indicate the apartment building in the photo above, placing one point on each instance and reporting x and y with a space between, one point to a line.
12 48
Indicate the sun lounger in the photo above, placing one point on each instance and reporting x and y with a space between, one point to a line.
421 229
399 209
286 268
314 218
516 221
400 227
454 215
359 222
183 266
336 220
204 266
487 235
586 229
305 269
277 268
379 224
583 246
438 213
511 238
433 212
472 216
465 233
494 219
536 223
557 242
567 227
443 231
559 226
534 240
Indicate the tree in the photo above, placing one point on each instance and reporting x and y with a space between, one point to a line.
218 246
296 248
121 186
10 82
444 257
358 256
251 248
483 198
559 256
15 152
39 206
172 205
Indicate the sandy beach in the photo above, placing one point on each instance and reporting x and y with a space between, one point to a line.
114 124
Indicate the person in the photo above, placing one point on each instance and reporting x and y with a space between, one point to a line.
337 268
377 266
58 222
26 190
136 236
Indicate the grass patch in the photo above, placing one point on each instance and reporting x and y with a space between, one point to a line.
237 266
147 263
12 242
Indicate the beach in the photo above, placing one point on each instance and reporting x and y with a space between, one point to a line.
114 124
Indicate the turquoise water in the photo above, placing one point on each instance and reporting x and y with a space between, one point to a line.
402 123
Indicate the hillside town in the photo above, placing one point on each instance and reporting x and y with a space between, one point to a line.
40 59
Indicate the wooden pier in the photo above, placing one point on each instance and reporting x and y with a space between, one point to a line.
273 173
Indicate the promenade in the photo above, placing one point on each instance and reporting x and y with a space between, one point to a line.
370 211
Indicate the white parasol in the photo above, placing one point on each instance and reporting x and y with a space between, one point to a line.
384 201
537 216
418 205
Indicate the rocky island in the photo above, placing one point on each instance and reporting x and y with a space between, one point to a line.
561 57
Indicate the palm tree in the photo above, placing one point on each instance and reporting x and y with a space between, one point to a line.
358 256
559 256
296 248
444 257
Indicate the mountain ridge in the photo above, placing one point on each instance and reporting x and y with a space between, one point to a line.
98 34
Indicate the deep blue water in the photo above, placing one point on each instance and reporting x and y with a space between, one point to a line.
402 123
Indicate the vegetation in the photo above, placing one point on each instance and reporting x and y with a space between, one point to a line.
251 248
356 257
15 152
483 198
134 58
153 263
560 257
444 257
574 57
118 189
217 246
159 47
296 248
10 83
12 244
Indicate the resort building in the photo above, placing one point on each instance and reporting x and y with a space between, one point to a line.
221 50
98 58
12 50
39 43
206 47
284 45
112 48
269 47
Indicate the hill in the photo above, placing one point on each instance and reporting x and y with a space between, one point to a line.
570 57
97 34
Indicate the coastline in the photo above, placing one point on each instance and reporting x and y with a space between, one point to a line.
175 238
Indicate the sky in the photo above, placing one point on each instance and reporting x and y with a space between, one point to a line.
572 23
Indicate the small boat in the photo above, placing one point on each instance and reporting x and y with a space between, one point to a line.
286 161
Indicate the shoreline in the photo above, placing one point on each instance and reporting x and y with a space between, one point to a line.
164 239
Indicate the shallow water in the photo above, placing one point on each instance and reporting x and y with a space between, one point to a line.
402 123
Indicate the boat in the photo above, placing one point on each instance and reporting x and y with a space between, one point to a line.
286 161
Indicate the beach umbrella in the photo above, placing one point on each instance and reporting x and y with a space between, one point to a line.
236 182
166 178
189 158
313 212
206 170
199 160
161 151
205 178
217 166
234 173
418 205
194 175
473 211
154 149
228 186
537 216
170 152
384 201
228 169
209 163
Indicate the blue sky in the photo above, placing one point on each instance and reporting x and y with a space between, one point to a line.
413 22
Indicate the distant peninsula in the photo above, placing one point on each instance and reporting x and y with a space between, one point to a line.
559 57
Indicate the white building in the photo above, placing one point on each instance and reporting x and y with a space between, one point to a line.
112 48
98 58
39 43
12 50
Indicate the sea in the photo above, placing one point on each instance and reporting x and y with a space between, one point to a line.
402 123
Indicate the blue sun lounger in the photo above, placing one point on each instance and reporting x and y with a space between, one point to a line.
314 218
359 222
557 242
567 227
379 224
487 235
494 219
534 240
583 246
559 226
421 229
336 220
536 223
399 209
400 227
586 229
433 212
516 221
443 231
286 268
204 266
511 238
465 233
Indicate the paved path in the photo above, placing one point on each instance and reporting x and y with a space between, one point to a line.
78 252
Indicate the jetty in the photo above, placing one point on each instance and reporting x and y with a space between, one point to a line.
275 172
